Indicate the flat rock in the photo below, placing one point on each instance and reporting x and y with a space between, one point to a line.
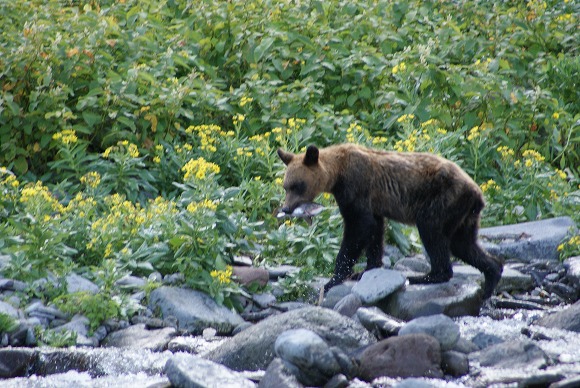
412 355
15 362
512 354
377 284
138 337
440 326
253 348
251 275
454 298
77 283
529 240
567 319
186 370
307 356
511 280
379 323
194 310
348 305
572 265
277 375
8 309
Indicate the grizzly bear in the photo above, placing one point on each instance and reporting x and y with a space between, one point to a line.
419 189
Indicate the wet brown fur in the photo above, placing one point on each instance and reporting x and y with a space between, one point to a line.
419 189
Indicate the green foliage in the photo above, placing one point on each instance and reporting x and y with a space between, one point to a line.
7 323
96 307
141 137
54 338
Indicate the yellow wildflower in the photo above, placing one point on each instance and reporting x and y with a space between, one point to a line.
223 277
474 133
66 137
199 168
490 185
405 118
91 179
245 100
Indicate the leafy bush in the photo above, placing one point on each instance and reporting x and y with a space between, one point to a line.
141 136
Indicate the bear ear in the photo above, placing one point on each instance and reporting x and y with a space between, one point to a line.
311 157
285 156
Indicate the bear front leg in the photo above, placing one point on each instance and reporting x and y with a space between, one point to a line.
355 239
375 248
437 246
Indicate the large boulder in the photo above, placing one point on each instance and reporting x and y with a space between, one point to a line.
567 319
455 298
529 240
194 310
412 355
185 370
440 326
138 337
253 348
377 284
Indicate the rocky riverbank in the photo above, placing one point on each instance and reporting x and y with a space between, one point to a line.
379 331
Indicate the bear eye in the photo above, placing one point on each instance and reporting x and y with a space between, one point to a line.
298 187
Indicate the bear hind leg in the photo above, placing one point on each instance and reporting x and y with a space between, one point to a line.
437 246
465 247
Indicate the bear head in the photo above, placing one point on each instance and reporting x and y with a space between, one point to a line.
305 177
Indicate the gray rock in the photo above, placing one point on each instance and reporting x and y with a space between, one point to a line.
572 265
251 275
348 305
440 326
413 355
379 323
264 300
336 293
194 310
253 348
513 354
37 309
137 337
282 271
76 283
455 363
377 284
131 282
185 370
567 319
12 285
307 356
484 340
511 280
16 362
413 264
528 241
277 375
174 278
8 309
454 298
465 346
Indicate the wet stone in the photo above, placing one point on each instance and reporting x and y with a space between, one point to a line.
440 326
377 284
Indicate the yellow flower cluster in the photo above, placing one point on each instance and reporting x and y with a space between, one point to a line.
238 119
183 149
561 174
10 179
38 195
379 140
208 135
574 243
243 151
245 100
223 277
199 168
81 205
66 137
294 123
406 118
401 67
490 185
205 204
122 146
428 123
474 133
91 179
353 131
505 152
535 155
410 143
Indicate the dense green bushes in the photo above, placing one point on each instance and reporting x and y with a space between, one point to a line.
153 125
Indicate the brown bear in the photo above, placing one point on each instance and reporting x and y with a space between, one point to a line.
413 188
